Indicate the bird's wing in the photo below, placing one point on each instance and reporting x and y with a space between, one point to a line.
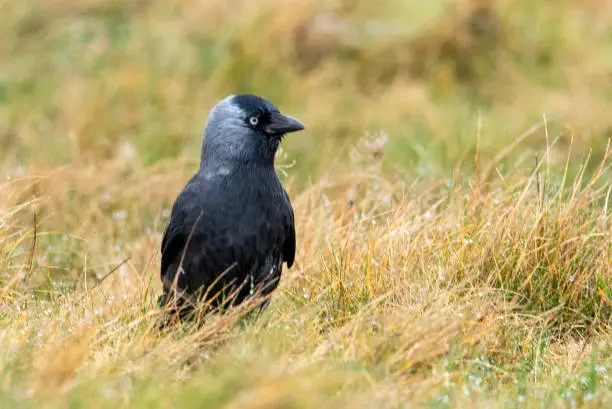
172 243
179 227
197 238
289 244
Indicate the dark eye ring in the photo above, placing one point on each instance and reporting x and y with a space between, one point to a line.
253 120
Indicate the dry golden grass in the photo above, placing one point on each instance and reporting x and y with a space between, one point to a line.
461 258
404 294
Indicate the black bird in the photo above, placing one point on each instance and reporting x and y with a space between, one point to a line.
232 226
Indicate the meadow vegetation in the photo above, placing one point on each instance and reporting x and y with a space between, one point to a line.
452 195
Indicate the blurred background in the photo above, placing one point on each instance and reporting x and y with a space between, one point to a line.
94 80
419 215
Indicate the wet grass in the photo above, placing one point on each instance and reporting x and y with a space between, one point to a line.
452 199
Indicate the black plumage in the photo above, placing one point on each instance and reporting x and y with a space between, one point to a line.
232 226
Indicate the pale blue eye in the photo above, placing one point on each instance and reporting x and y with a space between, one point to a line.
253 120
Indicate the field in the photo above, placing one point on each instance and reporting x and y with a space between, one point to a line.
452 195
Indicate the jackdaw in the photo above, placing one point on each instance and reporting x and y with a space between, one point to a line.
232 226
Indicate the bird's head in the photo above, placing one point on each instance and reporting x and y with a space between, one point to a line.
245 129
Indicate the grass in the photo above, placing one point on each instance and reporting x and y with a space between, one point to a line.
452 198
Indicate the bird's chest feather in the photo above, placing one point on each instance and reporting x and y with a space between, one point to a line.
248 213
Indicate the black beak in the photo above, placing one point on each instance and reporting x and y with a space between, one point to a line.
281 124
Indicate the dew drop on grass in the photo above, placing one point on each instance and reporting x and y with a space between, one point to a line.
326 201
120 215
